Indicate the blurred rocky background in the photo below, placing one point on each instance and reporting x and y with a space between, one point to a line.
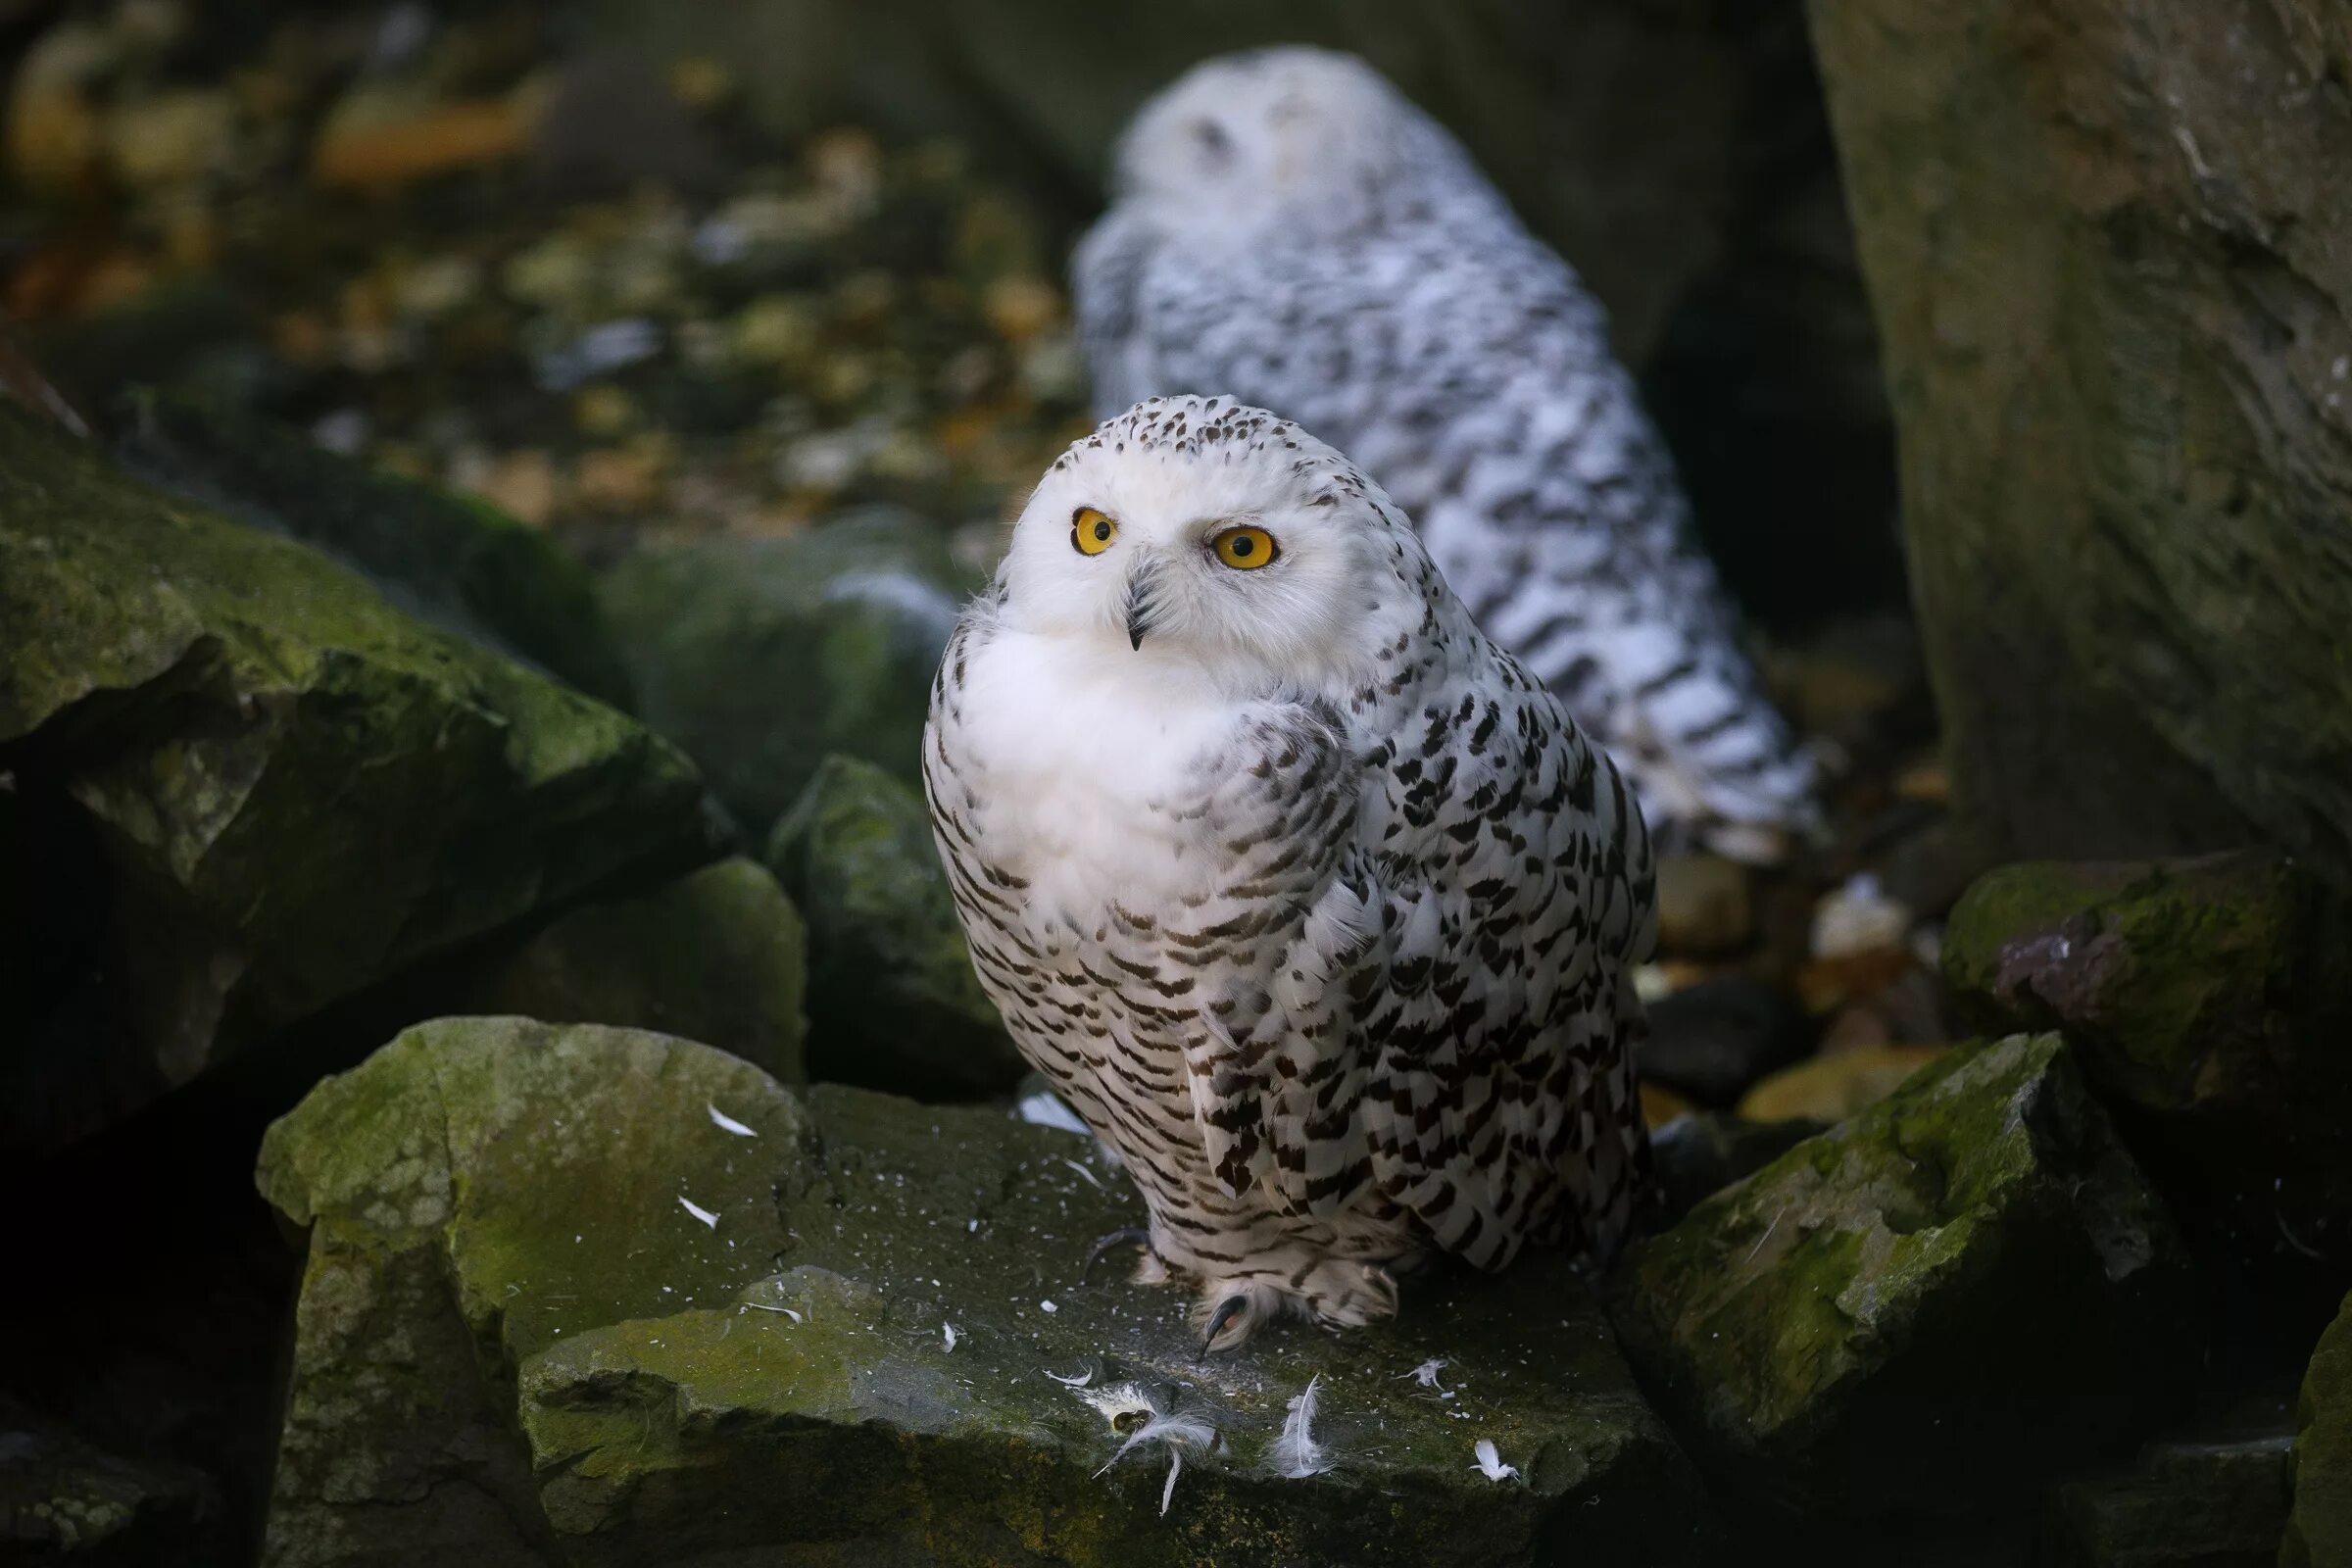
535 452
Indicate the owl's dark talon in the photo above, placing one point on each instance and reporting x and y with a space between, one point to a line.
1124 1236
1228 1309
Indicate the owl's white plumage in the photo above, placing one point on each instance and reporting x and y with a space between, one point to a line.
1289 230
1311 902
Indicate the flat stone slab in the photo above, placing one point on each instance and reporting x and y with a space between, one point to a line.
687 1315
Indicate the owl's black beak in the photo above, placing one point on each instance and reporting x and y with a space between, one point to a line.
1139 605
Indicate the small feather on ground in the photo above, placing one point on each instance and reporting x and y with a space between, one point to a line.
728 1124
1426 1374
1296 1454
1489 1462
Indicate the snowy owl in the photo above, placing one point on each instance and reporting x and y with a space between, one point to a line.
1316 906
1289 230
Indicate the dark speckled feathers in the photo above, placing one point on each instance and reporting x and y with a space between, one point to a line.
1355 981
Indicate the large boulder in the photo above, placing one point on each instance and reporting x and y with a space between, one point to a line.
2209 999
242 786
2110 257
761 655
457 564
720 956
587 1296
1925 1308
2319 1529
893 1000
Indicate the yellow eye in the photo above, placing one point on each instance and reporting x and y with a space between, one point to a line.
1091 533
1245 549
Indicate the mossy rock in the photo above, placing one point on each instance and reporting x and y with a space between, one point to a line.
762 656
458 565
770 1376
253 788
2319 1529
720 956
1925 1307
893 1000
2209 999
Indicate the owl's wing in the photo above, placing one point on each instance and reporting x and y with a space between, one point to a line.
1466 368
1277 808
1449 1023
1106 288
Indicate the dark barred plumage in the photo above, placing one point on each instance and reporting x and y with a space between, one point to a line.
1335 952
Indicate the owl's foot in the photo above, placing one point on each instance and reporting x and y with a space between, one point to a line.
1229 1311
1124 1236
1335 1292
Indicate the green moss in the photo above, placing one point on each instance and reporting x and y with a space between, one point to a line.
1900 1273
461 563
2207 1000
2161 968
2319 1530
299 791
798 1387
893 999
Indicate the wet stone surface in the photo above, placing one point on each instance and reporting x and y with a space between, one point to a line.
876 1349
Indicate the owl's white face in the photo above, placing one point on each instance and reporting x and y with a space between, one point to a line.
1211 559
1245 141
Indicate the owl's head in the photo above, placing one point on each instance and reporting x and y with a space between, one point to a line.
1201 534
1292 136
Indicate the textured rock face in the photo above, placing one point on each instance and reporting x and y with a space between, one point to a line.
1951 1295
244 786
512 1322
453 564
720 956
2210 999
761 657
2110 258
892 996
2319 1530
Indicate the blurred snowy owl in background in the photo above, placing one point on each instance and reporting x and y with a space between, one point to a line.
1289 230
